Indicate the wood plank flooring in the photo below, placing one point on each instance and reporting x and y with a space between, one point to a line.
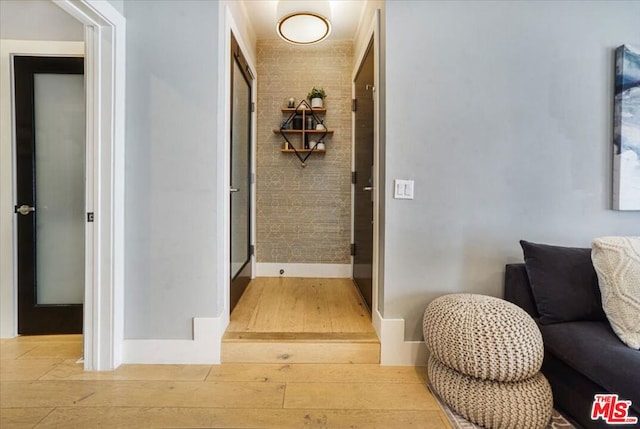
42 386
286 304
300 320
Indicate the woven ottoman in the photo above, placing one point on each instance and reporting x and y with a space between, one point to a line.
485 359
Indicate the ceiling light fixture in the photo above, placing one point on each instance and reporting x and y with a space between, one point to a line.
303 27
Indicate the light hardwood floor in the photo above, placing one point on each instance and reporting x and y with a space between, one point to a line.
300 320
288 304
42 386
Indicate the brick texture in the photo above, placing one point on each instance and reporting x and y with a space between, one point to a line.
303 214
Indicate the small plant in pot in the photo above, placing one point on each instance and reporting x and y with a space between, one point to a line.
316 96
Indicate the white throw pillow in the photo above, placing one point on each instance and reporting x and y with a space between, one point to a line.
617 263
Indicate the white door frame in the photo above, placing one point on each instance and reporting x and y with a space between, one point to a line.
228 25
105 94
105 79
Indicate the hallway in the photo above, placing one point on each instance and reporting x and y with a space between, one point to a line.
301 320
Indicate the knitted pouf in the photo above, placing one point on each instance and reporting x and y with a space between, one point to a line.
523 404
483 336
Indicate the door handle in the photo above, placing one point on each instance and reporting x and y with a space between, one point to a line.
368 188
24 209
234 190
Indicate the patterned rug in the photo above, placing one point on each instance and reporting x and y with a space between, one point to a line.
458 422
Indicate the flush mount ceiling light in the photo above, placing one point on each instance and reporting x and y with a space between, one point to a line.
303 27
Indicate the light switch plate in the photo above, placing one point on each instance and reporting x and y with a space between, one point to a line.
403 189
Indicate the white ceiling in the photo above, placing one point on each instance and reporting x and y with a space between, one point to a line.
345 15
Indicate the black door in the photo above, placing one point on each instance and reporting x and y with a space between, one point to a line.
50 199
363 193
241 249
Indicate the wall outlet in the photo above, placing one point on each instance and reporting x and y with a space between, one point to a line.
403 189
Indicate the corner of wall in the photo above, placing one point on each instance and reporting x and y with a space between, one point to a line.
394 350
203 349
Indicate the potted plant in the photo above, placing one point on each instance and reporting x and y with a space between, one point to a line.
316 96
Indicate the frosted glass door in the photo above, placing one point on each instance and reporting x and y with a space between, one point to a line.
240 173
59 159
50 212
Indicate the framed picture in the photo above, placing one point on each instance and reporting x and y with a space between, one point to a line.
626 129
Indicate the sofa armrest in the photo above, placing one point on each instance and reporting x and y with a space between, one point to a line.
518 290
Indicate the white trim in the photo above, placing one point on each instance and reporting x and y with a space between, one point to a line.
377 178
105 86
327 271
204 348
226 25
394 350
376 321
222 166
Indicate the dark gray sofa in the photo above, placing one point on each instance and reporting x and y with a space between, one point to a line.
581 358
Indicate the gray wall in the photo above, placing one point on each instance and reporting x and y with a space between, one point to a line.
172 73
501 113
37 20
118 5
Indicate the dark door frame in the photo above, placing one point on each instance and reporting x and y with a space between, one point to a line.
239 281
34 318
372 35
363 177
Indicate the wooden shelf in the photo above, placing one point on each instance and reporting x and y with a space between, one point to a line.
292 110
277 131
300 136
303 150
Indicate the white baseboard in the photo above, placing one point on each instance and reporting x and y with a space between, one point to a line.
329 271
394 350
203 349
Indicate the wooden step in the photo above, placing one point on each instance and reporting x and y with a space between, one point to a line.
304 347
300 320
